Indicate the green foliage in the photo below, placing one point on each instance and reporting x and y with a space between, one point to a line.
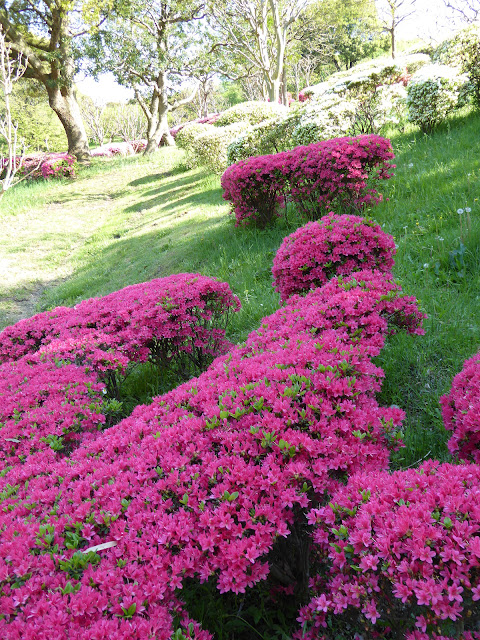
251 112
340 33
463 51
433 93
210 148
38 125
186 138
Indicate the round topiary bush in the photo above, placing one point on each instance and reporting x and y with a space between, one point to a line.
185 139
253 112
461 412
333 245
432 94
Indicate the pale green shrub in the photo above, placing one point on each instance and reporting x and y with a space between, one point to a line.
186 137
255 141
210 149
329 117
252 112
463 51
432 94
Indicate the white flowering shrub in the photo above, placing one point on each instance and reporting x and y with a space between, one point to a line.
323 119
463 51
255 141
186 137
361 100
432 94
252 112
392 105
210 148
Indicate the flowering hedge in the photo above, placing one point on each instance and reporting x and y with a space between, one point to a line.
333 245
186 137
178 319
207 480
432 94
315 177
45 165
253 112
400 554
461 412
44 406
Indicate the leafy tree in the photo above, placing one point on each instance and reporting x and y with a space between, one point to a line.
38 125
258 32
148 46
466 10
336 34
43 31
392 13
99 118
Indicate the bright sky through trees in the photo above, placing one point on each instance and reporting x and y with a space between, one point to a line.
431 21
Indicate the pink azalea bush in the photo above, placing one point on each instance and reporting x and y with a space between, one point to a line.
46 407
208 480
338 172
399 555
333 245
139 146
162 319
461 412
46 165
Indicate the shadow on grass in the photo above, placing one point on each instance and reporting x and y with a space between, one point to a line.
23 301
158 176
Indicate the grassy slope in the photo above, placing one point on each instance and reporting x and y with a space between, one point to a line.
131 220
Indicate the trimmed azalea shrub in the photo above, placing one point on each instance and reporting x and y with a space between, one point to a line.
333 245
339 172
117 149
255 141
399 555
46 406
101 152
252 112
328 117
210 148
256 187
139 146
432 94
461 412
178 320
45 165
211 481
186 137
211 119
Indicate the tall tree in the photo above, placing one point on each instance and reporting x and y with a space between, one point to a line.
336 34
258 31
392 13
148 47
465 10
43 32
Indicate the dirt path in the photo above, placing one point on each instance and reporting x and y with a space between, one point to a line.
38 245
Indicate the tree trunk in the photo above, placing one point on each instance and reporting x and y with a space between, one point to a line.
274 89
65 105
284 86
161 135
393 42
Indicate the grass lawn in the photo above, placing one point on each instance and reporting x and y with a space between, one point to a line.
130 220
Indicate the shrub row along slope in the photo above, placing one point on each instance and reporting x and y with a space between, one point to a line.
271 465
